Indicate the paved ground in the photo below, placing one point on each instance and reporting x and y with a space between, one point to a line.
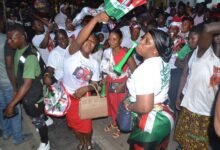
61 137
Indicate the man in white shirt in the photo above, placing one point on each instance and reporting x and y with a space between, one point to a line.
43 40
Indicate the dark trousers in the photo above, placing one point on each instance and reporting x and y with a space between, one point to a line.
174 86
37 112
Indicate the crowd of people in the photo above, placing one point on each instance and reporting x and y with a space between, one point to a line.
170 82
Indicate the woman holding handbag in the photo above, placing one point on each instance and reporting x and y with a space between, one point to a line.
115 84
81 70
148 88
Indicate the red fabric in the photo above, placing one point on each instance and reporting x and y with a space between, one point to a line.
137 147
114 99
178 44
177 18
118 57
143 121
50 45
73 119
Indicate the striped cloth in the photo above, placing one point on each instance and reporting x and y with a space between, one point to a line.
160 114
154 126
118 8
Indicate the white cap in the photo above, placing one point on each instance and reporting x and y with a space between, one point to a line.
178 24
62 6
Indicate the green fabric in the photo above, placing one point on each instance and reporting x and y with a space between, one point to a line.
116 11
181 54
17 56
101 46
31 66
161 129
103 90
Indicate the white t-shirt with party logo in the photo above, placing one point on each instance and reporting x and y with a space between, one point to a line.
78 71
152 76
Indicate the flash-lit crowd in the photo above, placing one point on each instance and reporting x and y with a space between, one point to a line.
170 82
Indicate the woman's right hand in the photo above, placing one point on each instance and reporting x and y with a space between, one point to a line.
102 17
80 92
50 27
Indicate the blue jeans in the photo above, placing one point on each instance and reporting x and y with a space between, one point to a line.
10 126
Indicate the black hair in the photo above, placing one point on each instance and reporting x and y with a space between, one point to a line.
190 19
95 36
1 23
163 43
181 4
69 17
33 21
117 31
17 27
197 29
214 44
62 31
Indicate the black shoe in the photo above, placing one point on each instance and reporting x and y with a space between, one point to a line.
6 136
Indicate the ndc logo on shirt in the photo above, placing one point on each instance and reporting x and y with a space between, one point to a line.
83 74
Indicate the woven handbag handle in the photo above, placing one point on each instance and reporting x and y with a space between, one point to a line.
97 92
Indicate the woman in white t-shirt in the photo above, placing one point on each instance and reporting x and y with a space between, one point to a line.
148 88
54 71
195 124
81 70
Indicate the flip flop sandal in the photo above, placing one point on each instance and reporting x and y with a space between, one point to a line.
116 133
80 147
89 147
109 127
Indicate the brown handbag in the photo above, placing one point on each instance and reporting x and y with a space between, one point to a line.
91 107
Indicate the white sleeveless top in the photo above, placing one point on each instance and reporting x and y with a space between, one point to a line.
199 95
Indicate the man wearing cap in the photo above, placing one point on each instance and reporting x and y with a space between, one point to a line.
131 33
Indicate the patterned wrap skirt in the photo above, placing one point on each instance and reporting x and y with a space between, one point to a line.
154 126
192 130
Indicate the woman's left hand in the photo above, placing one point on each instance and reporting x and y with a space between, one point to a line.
80 92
